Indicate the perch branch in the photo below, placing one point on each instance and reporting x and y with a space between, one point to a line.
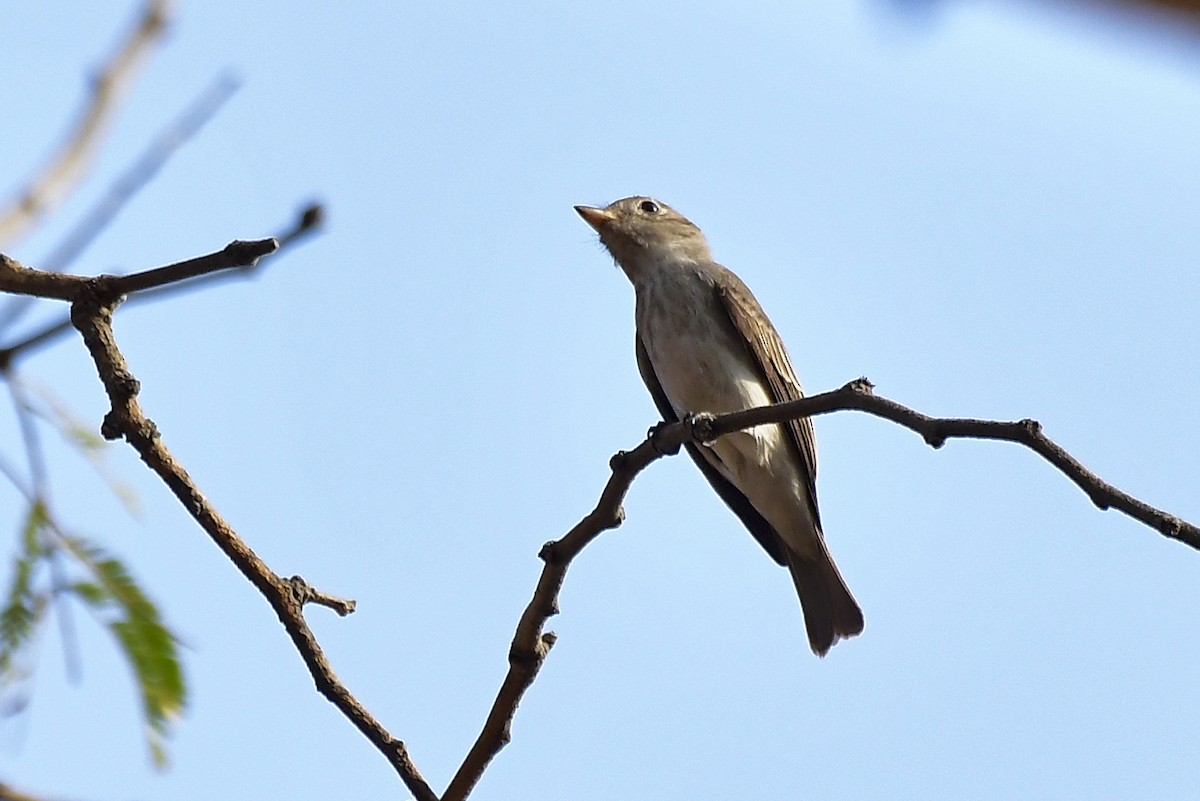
857 395
531 643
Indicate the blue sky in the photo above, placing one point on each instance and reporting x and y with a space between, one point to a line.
988 209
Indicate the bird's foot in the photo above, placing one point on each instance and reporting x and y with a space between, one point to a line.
700 426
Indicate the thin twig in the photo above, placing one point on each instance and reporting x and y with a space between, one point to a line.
21 280
305 593
36 457
67 166
92 315
128 184
531 644
238 253
23 410
307 222
143 170
50 411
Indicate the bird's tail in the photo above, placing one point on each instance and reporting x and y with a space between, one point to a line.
830 611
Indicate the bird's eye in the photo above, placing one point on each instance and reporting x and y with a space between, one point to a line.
648 206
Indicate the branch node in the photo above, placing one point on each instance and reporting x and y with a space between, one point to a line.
934 437
1098 496
304 593
113 426
549 553
126 384
1031 426
621 458
522 656
102 290
149 430
246 253
300 591
95 303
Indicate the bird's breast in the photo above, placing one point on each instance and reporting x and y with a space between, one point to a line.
698 357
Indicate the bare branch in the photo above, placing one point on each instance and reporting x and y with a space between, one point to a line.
238 253
310 220
67 166
19 279
14 276
92 315
858 395
530 645
307 222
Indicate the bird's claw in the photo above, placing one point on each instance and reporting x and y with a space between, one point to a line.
700 426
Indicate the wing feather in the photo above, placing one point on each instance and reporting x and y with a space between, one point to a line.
771 356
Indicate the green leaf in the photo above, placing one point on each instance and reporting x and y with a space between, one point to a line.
21 602
151 651
90 593
146 642
111 592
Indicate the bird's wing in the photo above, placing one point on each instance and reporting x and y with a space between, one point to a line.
734 499
769 354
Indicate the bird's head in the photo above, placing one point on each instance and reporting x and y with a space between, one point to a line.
641 232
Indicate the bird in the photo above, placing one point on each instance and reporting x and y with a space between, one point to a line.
705 345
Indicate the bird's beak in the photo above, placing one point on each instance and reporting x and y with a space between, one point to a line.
597 218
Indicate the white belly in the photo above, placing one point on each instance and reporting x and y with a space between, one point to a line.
704 365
